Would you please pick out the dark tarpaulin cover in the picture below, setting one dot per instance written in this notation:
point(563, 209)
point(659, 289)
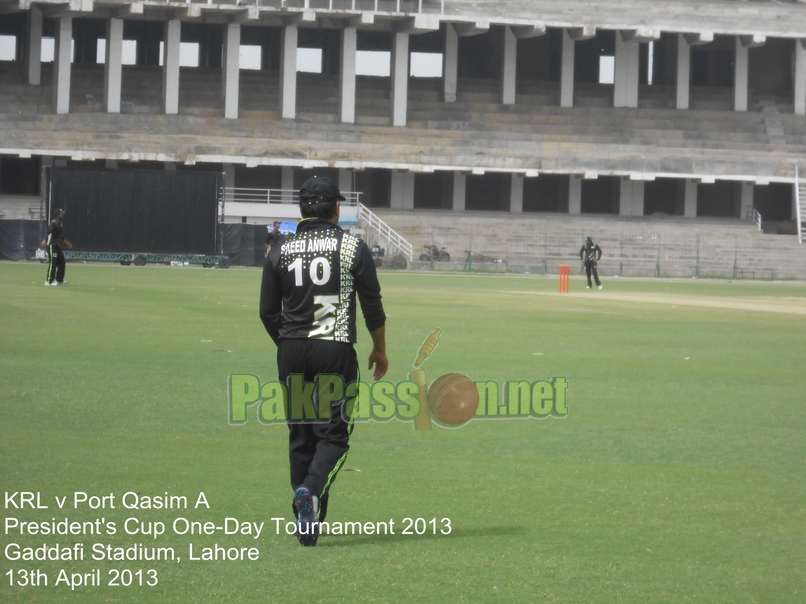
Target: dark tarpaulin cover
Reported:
point(243, 243)
point(154, 211)
point(19, 239)
point(230, 238)
point(12, 240)
point(260, 250)
point(35, 232)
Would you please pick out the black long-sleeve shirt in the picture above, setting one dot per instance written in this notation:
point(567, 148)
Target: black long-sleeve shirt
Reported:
point(310, 284)
point(273, 238)
point(590, 253)
point(56, 232)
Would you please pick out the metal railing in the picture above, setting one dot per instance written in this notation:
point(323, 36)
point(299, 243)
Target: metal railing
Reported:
point(799, 199)
point(631, 250)
point(382, 234)
point(386, 235)
point(757, 219)
point(387, 6)
point(245, 195)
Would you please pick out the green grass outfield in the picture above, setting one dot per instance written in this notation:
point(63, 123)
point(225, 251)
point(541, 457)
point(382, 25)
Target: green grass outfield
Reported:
point(677, 476)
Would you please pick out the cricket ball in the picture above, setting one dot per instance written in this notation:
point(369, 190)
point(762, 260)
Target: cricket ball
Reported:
point(453, 398)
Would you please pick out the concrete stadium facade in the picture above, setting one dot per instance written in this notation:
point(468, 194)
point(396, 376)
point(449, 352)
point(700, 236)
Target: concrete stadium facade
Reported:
point(517, 122)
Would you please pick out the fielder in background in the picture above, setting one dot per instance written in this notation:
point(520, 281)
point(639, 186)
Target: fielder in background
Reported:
point(272, 237)
point(590, 254)
point(308, 306)
point(53, 244)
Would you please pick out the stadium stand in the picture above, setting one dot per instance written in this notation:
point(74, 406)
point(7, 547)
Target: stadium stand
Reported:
point(681, 122)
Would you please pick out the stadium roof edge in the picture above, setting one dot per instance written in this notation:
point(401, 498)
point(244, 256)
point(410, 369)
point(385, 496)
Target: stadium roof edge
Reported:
point(724, 17)
point(251, 162)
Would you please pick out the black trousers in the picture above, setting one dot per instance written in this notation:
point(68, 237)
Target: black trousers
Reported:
point(590, 267)
point(55, 264)
point(317, 449)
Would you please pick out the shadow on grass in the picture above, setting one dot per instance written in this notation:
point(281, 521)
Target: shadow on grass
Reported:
point(351, 540)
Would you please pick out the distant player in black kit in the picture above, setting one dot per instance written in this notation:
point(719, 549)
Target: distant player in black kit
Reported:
point(590, 254)
point(307, 304)
point(53, 244)
point(273, 237)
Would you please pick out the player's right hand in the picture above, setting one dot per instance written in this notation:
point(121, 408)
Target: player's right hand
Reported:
point(381, 363)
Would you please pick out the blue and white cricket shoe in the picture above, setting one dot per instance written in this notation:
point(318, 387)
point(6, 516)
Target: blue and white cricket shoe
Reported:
point(307, 508)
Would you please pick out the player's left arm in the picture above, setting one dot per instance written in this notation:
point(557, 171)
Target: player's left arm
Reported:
point(377, 358)
point(369, 296)
point(68, 244)
point(598, 253)
point(368, 288)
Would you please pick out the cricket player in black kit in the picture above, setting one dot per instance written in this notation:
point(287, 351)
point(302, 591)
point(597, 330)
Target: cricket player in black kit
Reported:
point(590, 255)
point(53, 243)
point(307, 304)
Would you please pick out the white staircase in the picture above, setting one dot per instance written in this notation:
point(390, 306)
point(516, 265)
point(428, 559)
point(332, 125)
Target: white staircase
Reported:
point(384, 235)
point(277, 203)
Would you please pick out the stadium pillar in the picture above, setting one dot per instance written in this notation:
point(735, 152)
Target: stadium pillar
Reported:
point(625, 185)
point(62, 64)
point(625, 88)
point(516, 193)
point(170, 67)
point(631, 198)
point(740, 79)
point(33, 56)
point(450, 71)
point(800, 77)
point(400, 78)
point(402, 190)
point(287, 178)
point(345, 180)
point(231, 70)
point(288, 73)
point(349, 47)
point(574, 194)
point(638, 197)
point(683, 72)
point(508, 67)
point(747, 199)
point(690, 200)
point(459, 191)
point(567, 75)
point(408, 190)
point(113, 65)
point(229, 175)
